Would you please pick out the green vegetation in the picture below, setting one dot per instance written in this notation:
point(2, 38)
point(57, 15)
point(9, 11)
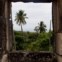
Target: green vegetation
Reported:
point(32, 41)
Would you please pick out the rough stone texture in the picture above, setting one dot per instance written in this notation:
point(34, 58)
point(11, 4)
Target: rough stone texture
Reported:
point(10, 33)
point(57, 24)
point(6, 34)
point(30, 57)
point(59, 46)
point(57, 15)
point(2, 33)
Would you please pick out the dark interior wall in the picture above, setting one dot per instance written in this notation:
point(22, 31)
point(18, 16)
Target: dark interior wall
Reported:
point(1, 8)
point(32, 0)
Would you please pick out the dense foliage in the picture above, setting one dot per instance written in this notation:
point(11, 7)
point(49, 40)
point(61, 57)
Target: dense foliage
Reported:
point(33, 41)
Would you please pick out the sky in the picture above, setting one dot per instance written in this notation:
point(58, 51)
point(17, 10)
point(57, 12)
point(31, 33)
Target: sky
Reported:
point(36, 12)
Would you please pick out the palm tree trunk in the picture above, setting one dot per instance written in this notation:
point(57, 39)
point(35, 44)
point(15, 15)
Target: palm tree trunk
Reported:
point(21, 28)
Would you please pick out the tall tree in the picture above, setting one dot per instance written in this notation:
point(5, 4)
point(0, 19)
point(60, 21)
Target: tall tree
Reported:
point(42, 27)
point(20, 18)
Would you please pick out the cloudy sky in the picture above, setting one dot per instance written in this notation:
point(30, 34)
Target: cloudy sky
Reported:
point(36, 12)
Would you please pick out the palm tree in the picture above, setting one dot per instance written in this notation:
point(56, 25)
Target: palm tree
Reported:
point(20, 18)
point(42, 27)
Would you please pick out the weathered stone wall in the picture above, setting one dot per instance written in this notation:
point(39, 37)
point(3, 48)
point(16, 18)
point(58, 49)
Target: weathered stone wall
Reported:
point(2, 35)
point(30, 57)
point(6, 30)
point(11, 35)
point(57, 24)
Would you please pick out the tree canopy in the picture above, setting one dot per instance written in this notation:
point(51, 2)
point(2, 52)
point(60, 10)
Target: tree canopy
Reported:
point(20, 18)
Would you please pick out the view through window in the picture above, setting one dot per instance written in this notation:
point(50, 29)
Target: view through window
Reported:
point(32, 24)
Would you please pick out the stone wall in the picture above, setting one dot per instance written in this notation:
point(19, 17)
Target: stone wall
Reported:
point(30, 57)
point(2, 34)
